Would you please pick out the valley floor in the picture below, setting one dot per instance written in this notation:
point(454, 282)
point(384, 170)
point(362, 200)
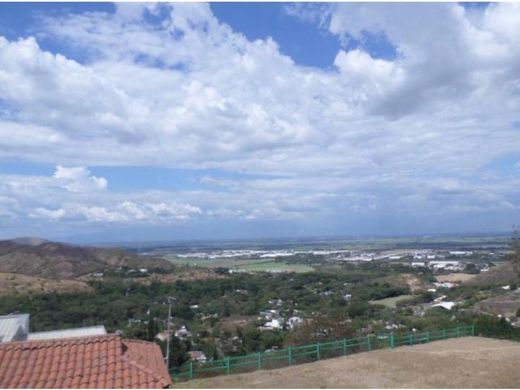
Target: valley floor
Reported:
point(469, 362)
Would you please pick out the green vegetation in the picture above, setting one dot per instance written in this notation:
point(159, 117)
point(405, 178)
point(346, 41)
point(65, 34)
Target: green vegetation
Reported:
point(239, 264)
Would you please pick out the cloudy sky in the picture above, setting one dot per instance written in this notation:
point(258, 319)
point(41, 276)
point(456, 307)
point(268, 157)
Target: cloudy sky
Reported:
point(175, 121)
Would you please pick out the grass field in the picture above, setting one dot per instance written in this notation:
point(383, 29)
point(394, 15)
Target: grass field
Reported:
point(248, 265)
point(469, 362)
point(391, 302)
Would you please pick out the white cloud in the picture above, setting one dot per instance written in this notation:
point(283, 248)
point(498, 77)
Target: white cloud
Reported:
point(78, 179)
point(42, 212)
point(366, 134)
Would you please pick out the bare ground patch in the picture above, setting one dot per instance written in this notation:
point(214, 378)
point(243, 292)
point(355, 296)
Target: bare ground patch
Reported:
point(469, 362)
point(455, 277)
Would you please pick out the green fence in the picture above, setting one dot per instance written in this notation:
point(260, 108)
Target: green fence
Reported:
point(312, 352)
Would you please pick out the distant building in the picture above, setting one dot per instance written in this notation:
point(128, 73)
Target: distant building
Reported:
point(273, 324)
point(198, 356)
point(444, 305)
point(294, 321)
point(182, 333)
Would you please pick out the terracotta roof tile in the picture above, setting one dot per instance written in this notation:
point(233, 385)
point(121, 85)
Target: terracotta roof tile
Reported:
point(83, 362)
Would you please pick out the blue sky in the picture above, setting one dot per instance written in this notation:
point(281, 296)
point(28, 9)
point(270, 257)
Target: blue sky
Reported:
point(224, 120)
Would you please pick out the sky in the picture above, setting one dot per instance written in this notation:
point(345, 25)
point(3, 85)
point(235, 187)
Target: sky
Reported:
point(129, 121)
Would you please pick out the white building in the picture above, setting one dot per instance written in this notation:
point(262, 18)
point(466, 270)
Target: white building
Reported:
point(182, 332)
point(15, 327)
point(294, 322)
point(445, 305)
point(273, 324)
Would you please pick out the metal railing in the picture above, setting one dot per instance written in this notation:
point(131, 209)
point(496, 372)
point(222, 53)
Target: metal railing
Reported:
point(312, 352)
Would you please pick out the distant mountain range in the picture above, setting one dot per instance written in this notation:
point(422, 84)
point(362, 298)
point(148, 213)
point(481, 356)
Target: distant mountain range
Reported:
point(36, 257)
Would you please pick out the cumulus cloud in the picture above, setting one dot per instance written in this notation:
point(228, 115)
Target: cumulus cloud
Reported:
point(171, 86)
point(78, 179)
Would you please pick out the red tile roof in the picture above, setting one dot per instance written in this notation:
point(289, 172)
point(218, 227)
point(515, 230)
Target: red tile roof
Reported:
point(82, 362)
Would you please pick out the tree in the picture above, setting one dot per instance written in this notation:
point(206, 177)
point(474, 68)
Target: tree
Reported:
point(321, 328)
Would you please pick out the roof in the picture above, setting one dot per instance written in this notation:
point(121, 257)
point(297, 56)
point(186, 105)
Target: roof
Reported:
point(13, 327)
point(445, 305)
point(82, 362)
point(66, 333)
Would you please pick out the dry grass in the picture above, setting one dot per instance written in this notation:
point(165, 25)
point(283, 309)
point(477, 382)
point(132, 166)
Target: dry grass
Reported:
point(469, 362)
point(455, 277)
point(411, 281)
point(12, 284)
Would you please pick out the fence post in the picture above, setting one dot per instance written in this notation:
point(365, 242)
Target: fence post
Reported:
point(228, 365)
point(318, 350)
point(458, 331)
point(473, 329)
point(369, 344)
point(259, 361)
point(392, 341)
point(428, 336)
point(444, 334)
point(191, 369)
point(289, 356)
point(344, 346)
point(410, 339)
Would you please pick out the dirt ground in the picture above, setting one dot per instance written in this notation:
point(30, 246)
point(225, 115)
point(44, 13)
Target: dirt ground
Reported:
point(455, 277)
point(469, 362)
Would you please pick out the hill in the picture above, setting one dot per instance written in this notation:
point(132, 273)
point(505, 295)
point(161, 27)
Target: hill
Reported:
point(16, 284)
point(469, 362)
point(29, 240)
point(54, 260)
point(497, 276)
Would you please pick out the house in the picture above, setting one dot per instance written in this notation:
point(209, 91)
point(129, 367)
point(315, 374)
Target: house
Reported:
point(444, 305)
point(198, 356)
point(446, 265)
point(67, 333)
point(15, 327)
point(439, 299)
point(347, 297)
point(417, 264)
point(294, 322)
point(105, 361)
point(444, 284)
point(273, 324)
point(182, 333)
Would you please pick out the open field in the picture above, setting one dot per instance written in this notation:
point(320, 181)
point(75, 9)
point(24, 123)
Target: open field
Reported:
point(469, 362)
point(391, 302)
point(455, 277)
point(249, 265)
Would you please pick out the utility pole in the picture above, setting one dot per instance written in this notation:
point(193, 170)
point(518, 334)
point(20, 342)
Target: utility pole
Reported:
point(170, 303)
